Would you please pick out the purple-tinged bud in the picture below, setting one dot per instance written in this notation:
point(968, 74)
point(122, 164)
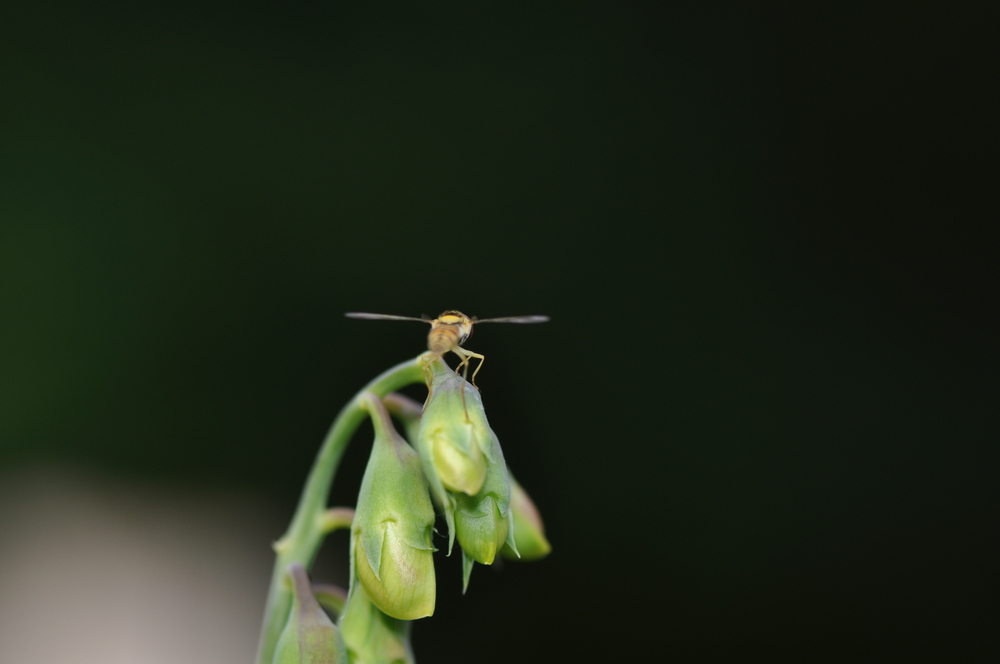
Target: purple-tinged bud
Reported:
point(309, 637)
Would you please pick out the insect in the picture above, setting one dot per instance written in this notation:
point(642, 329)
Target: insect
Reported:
point(449, 331)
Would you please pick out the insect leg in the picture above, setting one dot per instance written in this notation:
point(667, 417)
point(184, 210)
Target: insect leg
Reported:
point(479, 366)
point(429, 359)
point(467, 356)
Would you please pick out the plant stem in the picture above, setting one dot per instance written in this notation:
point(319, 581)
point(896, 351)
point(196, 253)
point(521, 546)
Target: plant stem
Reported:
point(305, 534)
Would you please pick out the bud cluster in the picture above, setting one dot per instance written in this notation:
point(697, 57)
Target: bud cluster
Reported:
point(456, 463)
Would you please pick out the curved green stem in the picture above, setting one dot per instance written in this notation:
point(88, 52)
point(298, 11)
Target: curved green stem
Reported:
point(305, 534)
point(337, 518)
point(407, 411)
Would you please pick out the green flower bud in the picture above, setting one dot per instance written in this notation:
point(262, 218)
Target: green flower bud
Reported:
point(454, 437)
point(392, 554)
point(465, 467)
point(371, 636)
point(455, 441)
point(309, 637)
point(482, 522)
point(529, 532)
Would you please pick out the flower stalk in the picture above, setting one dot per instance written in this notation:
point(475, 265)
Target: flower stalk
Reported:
point(305, 534)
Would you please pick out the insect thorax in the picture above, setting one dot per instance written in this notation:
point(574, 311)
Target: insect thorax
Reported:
point(448, 330)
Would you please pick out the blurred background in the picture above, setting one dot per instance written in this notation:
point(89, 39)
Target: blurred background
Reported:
point(760, 425)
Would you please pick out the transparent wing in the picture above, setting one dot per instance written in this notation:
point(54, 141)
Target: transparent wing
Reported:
point(515, 319)
point(355, 314)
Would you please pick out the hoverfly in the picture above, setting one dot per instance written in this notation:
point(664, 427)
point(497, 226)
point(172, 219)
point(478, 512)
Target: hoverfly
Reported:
point(449, 331)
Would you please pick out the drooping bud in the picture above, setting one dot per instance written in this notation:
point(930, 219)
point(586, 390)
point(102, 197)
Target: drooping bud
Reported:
point(482, 521)
point(391, 548)
point(309, 637)
point(371, 636)
point(454, 441)
point(529, 532)
point(454, 436)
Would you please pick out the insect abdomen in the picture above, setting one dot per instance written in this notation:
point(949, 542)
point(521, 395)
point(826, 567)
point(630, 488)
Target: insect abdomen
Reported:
point(442, 339)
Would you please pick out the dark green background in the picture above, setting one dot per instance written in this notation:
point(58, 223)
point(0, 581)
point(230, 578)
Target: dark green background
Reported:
point(761, 422)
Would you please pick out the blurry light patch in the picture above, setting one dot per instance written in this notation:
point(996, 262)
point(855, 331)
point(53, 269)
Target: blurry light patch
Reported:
point(97, 570)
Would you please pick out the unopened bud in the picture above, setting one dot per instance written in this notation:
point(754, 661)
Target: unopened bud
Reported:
point(482, 521)
point(454, 437)
point(371, 636)
point(391, 537)
point(309, 637)
point(529, 531)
